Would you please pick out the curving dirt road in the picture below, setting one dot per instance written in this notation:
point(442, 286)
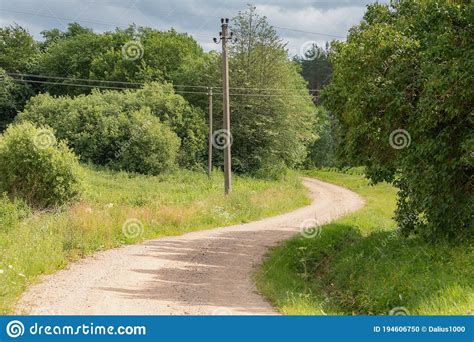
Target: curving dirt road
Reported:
point(199, 273)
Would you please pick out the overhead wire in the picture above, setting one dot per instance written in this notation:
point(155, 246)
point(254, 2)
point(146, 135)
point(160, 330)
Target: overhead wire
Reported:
point(142, 83)
point(151, 90)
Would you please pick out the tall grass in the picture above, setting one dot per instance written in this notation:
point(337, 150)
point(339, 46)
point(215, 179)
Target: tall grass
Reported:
point(165, 205)
point(361, 265)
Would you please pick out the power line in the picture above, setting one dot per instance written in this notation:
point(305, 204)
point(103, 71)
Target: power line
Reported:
point(95, 86)
point(309, 32)
point(150, 90)
point(56, 17)
point(94, 80)
point(142, 83)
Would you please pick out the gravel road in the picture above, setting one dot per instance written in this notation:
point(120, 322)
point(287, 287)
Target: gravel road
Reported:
point(199, 273)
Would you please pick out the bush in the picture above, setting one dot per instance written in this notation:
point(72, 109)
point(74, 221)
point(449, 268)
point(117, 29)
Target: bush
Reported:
point(271, 168)
point(11, 213)
point(36, 168)
point(150, 148)
point(97, 126)
point(402, 91)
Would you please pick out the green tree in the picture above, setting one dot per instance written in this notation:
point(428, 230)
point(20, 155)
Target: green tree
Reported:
point(316, 69)
point(18, 54)
point(13, 96)
point(54, 35)
point(134, 54)
point(18, 49)
point(271, 129)
point(322, 151)
point(403, 92)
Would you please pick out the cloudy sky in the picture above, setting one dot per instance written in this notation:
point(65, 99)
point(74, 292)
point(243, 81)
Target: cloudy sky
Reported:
point(297, 21)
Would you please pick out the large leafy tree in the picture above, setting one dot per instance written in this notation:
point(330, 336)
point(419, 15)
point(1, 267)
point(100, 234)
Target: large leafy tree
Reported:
point(18, 54)
point(13, 97)
point(321, 153)
point(403, 92)
point(18, 49)
point(135, 54)
point(272, 115)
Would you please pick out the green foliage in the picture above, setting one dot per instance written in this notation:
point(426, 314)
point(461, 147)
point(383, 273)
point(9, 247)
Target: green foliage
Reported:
point(105, 128)
point(316, 69)
point(151, 147)
point(12, 212)
point(54, 35)
point(410, 68)
point(152, 56)
point(18, 49)
point(265, 129)
point(322, 151)
point(13, 97)
point(271, 169)
point(36, 168)
point(361, 265)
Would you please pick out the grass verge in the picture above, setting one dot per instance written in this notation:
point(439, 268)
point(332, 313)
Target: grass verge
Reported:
point(121, 208)
point(360, 265)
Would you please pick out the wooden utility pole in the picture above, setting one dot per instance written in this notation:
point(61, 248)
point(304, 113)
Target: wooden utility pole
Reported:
point(225, 36)
point(209, 160)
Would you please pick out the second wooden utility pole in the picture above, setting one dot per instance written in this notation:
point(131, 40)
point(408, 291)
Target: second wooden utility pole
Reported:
point(209, 160)
point(225, 84)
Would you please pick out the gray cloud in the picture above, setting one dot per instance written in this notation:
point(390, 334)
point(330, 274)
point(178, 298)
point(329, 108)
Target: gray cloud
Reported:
point(200, 18)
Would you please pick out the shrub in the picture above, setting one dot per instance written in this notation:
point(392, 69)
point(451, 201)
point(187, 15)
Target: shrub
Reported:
point(151, 147)
point(402, 91)
point(37, 168)
point(11, 212)
point(271, 168)
point(97, 126)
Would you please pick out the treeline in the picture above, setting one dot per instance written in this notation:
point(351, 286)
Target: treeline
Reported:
point(275, 124)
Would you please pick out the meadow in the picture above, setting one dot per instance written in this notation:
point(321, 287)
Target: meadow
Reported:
point(120, 208)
